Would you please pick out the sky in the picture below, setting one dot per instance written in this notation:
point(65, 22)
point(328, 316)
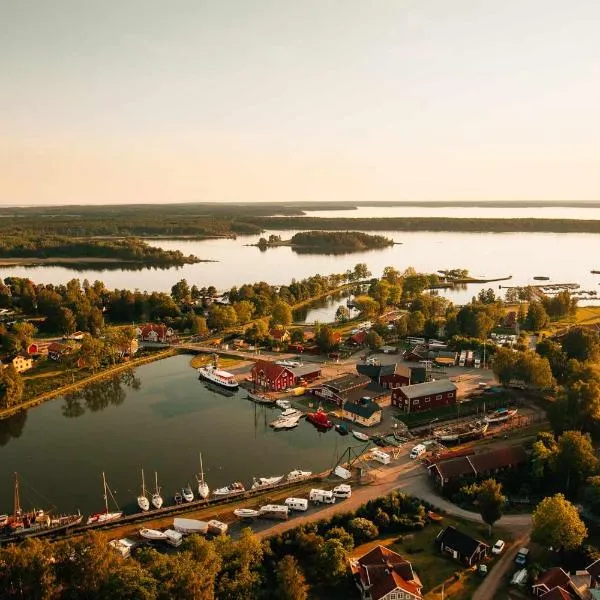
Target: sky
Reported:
point(127, 101)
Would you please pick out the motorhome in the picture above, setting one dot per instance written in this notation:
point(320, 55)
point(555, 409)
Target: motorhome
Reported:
point(380, 456)
point(321, 497)
point(463, 358)
point(342, 491)
point(297, 504)
point(417, 451)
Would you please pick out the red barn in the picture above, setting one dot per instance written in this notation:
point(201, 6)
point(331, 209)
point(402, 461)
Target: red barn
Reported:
point(424, 396)
point(268, 375)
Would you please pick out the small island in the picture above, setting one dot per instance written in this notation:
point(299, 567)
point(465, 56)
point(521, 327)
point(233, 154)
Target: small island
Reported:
point(328, 242)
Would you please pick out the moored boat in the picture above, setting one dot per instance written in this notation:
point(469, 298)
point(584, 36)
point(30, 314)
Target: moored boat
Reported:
point(154, 535)
point(342, 429)
point(363, 437)
point(319, 419)
point(142, 499)
point(218, 376)
point(203, 489)
point(157, 500)
point(500, 415)
point(234, 488)
point(178, 498)
point(261, 398)
point(262, 482)
point(283, 404)
point(246, 513)
point(298, 475)
point(286, 422)
point(187, 493)
point(104, 517)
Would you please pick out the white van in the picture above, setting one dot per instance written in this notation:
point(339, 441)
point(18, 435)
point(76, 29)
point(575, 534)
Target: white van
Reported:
point(417, 451)
point(296, 503)
point(321, 496)
point(380, 456)
point(342, 491)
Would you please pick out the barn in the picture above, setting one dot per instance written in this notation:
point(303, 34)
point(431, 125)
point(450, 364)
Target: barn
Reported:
point(424, 396)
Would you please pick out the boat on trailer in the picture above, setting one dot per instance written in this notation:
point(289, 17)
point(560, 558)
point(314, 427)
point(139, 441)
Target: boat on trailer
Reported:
point(154, 535)
point(461, 432)
point(500, 415)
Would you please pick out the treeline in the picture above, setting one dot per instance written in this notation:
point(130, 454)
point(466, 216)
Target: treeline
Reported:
point(309, 561)
point(130, 250)
point(338, 241)
point(430, 224)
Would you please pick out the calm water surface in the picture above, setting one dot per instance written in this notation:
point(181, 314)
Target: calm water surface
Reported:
point(159, 418)
point(564, 257)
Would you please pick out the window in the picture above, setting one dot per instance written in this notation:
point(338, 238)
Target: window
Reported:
point(438, 397)
point(427, 398)
point(450, 394)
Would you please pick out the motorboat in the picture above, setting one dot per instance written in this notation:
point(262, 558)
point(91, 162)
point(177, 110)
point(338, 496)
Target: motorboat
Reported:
point(157, 500)
point(217, 527)
point(106, 515)
point(142, 500)
point(283, 404)
point(189, 525)
point(291, 412)
point(286, 422)
point(319, 419)
point(235, 488)
point(342, 429)
point(178, 498)
point(218, 376)
point(262, 482)
point(203, 489)
point(500, 415)
point(154, 535)
point(260, 398)
point(246, 513)
point(187, 493)
point(298, 475)
point(363, 437)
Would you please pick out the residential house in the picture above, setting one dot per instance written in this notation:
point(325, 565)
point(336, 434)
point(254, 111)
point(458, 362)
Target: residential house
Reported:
point(557, 584)
point(280, 335)
point(393, 375)
point(22, 363)
point(461, 546)
point(594, 571)
point(129, 349)
point(357, 339)
point(382, 574)
point(424, 396)
point(57, 351)
point(350, 387)
point(364, 412)
point(152, 332)
point(36, 348)
point(477, 465)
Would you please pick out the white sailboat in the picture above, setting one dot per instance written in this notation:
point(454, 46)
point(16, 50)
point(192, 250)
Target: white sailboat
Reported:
point(103, 517)
point(187, 493)
point(203, 490)
point(142, 500)
point(157, 500)
point(262, 482)
point(152, 534)
point(298, 475)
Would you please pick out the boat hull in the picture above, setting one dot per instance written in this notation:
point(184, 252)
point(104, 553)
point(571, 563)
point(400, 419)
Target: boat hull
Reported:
point(207, 375)
point(41, 531)
point(154, 535)
point(105, 517)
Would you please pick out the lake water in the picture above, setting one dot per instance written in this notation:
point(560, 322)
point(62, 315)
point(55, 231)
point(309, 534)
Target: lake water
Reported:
point(564, 257)
point(157, 419)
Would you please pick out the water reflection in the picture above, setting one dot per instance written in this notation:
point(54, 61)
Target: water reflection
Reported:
point(99, 395)
point(12, 427)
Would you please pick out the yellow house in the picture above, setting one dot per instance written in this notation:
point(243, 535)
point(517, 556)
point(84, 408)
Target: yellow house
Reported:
point(364, 412)
point(21, 363)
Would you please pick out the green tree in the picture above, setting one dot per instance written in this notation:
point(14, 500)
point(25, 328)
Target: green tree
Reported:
point(380, 292)
point(333, 560)
point(556, 524)
point(339, 533)
point(361, 271)
point(297, 336)
point(537, 317)
point(374, 340)
point(325, 338)
point(222, 317)
point(574, 461)
point(66, 323)
point(291, 583)
point(244, 311)
point(490, 500)
point(95, 321)
point(11, 387)
point(591, 497)
point(581, 344)
point(362, 529)
point(181, 292)
point(92, 351)
point(281, 313)
point(505, 365)
point(342, 314)
point(367, 306)
point(199, 326)
point(415, 322)
point(23, 332)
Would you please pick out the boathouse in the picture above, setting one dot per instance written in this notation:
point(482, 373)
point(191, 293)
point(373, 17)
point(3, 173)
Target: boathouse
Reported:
point(424, 396)
point(271, 376)
point(351, 387)
point(364, 412)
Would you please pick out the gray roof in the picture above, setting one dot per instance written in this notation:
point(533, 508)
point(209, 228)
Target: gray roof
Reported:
point(427, 389)
point(305, 369)
point(347, 382)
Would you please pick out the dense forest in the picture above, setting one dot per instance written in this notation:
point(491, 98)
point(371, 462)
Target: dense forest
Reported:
point(337, 241)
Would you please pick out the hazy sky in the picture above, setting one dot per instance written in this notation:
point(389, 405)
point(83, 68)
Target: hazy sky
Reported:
point(189, 100)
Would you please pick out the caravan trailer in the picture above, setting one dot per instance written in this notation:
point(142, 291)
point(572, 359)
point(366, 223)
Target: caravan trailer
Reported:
point(342, 491)
point(380, 456)
point(297, 504)
point(463, 358)
point(469, 361)
point(321, 497)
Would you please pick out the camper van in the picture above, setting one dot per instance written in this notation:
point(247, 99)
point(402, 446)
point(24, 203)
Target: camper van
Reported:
point(321, 497)
point(297, 503)
point(342, 491)
point(417, 451)
point(463, 358)
point(380, 456)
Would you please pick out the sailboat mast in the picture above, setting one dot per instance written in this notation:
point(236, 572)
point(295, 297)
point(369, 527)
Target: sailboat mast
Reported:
point(105, 494)
point(16, 495)
point(201, 468)
point(143, 484)
point(156, 482)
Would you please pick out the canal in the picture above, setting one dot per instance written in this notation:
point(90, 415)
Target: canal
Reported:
point(158, 417)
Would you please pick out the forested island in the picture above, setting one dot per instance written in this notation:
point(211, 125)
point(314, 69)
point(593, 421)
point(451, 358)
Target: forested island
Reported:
point(31, 249)
point(327, 242)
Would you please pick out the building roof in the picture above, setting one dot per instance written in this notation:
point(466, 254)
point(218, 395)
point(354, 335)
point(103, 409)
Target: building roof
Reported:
point(376, 371)
point(498, 459)
point(594, 570)
point(553, 577)
point(58, 347)
point(278, 334)
point(418, 390)
point(365, 409)
point(454, 467)
point(464, 544)
point(160, 329)
point(358, 338)
point(557, 593)
point(347, 382)
point(270, 369)
point(303, 370)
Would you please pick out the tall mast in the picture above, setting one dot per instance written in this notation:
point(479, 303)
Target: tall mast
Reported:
point(156, 482)
point(143, 484)
point(201, 468)
point(105, 494)
point(16, 496)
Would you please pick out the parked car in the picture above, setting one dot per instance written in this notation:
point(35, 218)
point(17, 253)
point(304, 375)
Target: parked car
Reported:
point(521, 557)
point(498, 547)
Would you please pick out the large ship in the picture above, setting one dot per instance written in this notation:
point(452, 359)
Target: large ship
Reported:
point(35, 523)
point(500, 415)
point(461, 432)
point(218, 376)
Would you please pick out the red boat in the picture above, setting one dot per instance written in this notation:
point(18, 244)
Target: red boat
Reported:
point(319, 419)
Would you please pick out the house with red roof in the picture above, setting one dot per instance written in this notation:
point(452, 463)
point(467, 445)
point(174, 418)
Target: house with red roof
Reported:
point(557, 584)
point(280, 335)
point(151, 332)
point(382, 574)
point(56, 350)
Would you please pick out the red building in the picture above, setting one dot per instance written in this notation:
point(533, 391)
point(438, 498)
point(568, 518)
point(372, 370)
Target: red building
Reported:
point(424, 396)
point(268, 375)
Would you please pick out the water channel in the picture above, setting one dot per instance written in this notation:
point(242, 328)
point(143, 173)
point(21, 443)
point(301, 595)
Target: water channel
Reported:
point(157, 418)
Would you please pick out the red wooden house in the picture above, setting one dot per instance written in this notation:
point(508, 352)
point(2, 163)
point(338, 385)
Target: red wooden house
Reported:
point(268, 375)
point(424, 396)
